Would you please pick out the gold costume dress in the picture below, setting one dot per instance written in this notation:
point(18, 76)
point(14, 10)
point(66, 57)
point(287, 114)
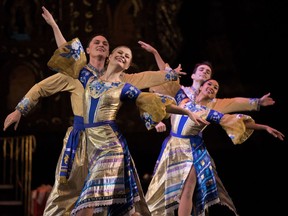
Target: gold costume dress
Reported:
point(71, 168)
point(181, 150)
point(112, 185)
point(225, 105)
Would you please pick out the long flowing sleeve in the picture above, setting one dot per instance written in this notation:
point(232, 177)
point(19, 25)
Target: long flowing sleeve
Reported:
point(147, 79)
point(237, 104)
point(152, 108)
point(234, 125)
point(69, 59)
point(168, 88)
point(47, 87)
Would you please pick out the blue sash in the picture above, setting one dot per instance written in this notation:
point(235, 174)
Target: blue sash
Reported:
point(70, 149)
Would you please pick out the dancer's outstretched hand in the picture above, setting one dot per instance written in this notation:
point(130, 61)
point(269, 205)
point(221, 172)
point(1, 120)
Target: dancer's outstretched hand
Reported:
point(266, 100)
point(12, 118)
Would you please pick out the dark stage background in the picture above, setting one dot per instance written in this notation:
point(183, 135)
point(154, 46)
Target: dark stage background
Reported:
point(246, 41)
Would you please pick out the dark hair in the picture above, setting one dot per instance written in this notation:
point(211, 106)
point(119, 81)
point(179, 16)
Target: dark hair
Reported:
point(203, 63)
point(206, 81)
point(95, 35)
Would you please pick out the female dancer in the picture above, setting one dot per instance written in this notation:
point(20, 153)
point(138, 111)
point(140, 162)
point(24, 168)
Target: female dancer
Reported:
point(183, 177)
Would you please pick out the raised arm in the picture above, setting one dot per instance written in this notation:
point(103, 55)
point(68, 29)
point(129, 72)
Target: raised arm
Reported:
point(151, 49)
point(160, 62)
point(60, 40)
